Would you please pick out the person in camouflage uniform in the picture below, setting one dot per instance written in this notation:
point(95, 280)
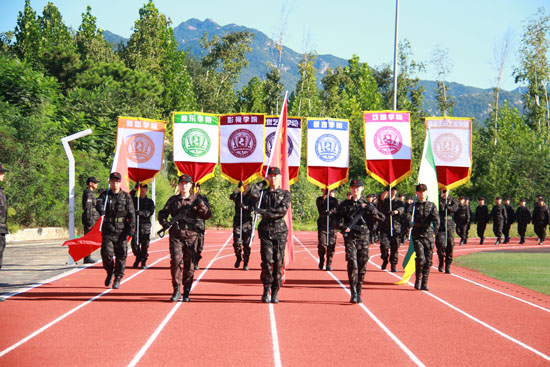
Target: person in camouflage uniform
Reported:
point(354, 214)
point(481, 218)
point(403, 219)
point(326, 218)
point(498, 215)
point(425, 222)
point(390, 240)
point(184, 209)
point(541, 218)
point(510, 219)
point(447, 209)
point(244, 206)
point(89, 213)
point(145, 208)
point(372, 223)
point(119, 224)
point(462, 218)
point(3, 214)
point(272, 231)
point(523, 218)
point(202, 228)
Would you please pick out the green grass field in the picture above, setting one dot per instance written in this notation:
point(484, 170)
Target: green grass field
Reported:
point(530, 270)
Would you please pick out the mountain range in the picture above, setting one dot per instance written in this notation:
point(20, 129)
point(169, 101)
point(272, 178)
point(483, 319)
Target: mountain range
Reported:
point(468, 101)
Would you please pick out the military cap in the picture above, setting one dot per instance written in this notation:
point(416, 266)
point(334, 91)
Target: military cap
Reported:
point(498, 198)
point(421, 187)
point(481, 198)
point(185, 178)
point(273, 171)
point(522, 200)
point(506, 198)
point(461, 198)
point(3, 168)
point(540, 197)
point(356, 182)
point(401, 195)
point(115, 175)
point(371, 196)
point(144, 185)
point(91, 179)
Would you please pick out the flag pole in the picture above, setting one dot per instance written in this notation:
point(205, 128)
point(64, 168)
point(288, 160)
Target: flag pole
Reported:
point(395, 55)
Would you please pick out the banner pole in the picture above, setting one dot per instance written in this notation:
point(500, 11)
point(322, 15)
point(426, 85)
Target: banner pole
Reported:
point(395, 55)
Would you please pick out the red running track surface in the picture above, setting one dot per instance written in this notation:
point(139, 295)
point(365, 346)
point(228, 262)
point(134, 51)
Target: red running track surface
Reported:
point(466, 319)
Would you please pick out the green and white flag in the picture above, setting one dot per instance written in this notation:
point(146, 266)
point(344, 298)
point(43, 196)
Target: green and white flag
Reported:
point(427, 173)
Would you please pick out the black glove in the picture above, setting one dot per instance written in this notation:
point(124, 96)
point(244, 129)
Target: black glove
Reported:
point(240, 184)
point(261, 211)
point(198, 201)
point(263, 183)
point(166, 225)
point(130, 233)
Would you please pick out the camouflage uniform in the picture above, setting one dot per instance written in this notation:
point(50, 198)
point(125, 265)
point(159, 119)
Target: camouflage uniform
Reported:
point(462, 218)
point(523, 217)
point(356, 241)
point(425, 215)
point(445, 250)
point(200, 234)
point(498, 215)
point(241, 242)
point(541, 218)
point(89, 213)
point(146, 209)
point(481, 218)
point(119, 223)
point(323, 247)
point(3, 222)
point(510, 218)
point(389, 244)
point(183, 236)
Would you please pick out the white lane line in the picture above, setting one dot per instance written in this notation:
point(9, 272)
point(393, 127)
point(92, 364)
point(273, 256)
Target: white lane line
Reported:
point(274, 337)
point(68, 313)
point(403, 347)
point(473, 318)
point(159, 329)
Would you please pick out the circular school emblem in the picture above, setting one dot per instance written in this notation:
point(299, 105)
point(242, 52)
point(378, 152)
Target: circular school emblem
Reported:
point(269, 144)
point(328, 148)
point(195, 142)
point(140, 148)
point(388, 140)
point(241, 143)
point(447, 147)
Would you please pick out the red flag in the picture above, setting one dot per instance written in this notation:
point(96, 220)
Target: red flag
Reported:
point(84, 246)
point(280, 160)
point(120, 164)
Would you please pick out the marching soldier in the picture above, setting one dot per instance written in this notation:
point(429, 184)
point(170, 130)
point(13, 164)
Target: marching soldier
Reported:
point(541, 218)
point(498, 215)
point(523, 217)
point(481, 218)
point(425, 222)
point(326, 218)
point(403, 220)
point(272, 231)
point(355, 214)
point(89, 213)
point(462, 218)
point(184, 209)
point(467, 202)
point(202, 228)
point(3, 214)
point(390, 242)
point(372, 223)
point(241, 240)
point(146, 210)
point(119, 224)
point(448, 206)
point(510, 218)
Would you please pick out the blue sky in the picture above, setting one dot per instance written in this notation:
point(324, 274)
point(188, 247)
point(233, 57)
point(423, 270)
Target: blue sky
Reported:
point(468, 29)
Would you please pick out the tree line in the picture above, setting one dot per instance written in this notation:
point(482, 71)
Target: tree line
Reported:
point(55, 81)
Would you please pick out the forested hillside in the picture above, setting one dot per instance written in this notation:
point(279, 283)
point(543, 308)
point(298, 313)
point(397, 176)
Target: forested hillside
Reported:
point(55, 81)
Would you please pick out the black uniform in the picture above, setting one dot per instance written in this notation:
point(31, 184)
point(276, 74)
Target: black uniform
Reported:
point(241, 241)
point(462, 218)
point(481, 218)
point(119, 223)
point(3, 222)
point(326, 218)
point(499, 217)
point(425, 217)
point(89, 213)
point(273, 234)
point(183, 239)
point(357, 240)
point(201, 225)
point(523, 217)
point(145, 208)
point(445, 249)
point(510, 218)
point(541, 218)
point(390, 242)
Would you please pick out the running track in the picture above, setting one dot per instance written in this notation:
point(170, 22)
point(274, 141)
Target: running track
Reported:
point(465, 320)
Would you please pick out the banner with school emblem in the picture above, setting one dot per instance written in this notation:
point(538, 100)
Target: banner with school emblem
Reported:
point(452, 146)
point(144, 142)
point(196, 144)
point(241, 146)
point(327, 152)
point(388, 146)
point(294, 125)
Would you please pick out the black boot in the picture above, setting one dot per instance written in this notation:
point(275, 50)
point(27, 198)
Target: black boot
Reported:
point(440, 267)
point(266, 295)
point(245, 264)
point(186, 292)
point(89, 260)
point(176, 295)
point(196, 264)
point(393, 268)
point(424, 285)
point(321, 262)
point(448, 269)
point(498, 241)
point(353, 298)
point(143, 266)
point(108, 279)
point(384, 264)
point(238, 261)
point(274, 298)
point(116, 283)
point(136, 263)
point(481, 240)
point(329, 265)
point(359, 300)
point(522, 240)
point(417, 282)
